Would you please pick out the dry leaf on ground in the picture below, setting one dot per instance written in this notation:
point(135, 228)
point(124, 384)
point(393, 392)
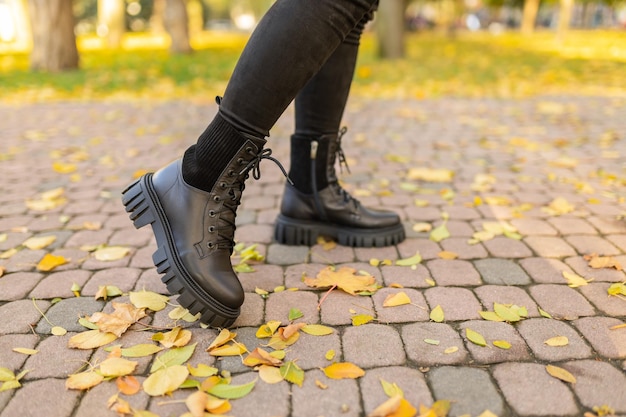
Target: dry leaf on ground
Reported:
point(345, 279)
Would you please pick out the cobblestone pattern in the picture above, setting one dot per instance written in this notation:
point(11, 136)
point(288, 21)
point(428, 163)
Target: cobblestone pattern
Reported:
point(510, 160)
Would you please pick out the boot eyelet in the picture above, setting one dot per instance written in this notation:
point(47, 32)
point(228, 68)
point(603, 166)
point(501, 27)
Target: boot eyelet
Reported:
point(231, 173)
point(240, 161)
point(210, 245)
point(223, 184)
point(249, 150)
point(211, 213)
point(211, 229)
point(216, 199)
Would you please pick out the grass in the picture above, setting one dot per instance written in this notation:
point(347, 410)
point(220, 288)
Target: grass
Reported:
point(473, 64)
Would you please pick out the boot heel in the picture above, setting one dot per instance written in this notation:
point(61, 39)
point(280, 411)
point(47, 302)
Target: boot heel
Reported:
point(290, 234)
point(135, 203)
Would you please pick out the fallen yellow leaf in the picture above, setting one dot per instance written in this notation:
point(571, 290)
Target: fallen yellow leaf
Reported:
point(397, 299)
point(83, 380)
point(557, 341)
point(49, 262)
point(561, 374)
point(341, 370)
point(437, 314)
point(345, 279)
point(574, 280)
point(41, 242)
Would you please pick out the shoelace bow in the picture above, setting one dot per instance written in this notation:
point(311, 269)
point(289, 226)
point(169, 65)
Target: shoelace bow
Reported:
point(341, 157)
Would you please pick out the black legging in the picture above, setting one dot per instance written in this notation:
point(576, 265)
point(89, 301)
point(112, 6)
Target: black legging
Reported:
point(306, 48)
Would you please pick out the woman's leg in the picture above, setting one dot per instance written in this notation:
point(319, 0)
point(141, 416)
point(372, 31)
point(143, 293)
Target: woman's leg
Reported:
point(191, 204)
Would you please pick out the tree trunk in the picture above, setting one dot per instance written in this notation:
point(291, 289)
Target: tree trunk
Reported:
point(112, 21)
point(390, 29)
point(54, 41)
point(156, 20)
point(529, 16)
point(176, 23)
point(565, 15)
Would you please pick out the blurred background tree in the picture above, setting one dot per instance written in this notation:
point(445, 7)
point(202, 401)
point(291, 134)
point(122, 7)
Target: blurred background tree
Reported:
point(51, 26)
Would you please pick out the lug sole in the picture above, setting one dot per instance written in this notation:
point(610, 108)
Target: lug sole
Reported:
point(141, 202)
point(290, 231)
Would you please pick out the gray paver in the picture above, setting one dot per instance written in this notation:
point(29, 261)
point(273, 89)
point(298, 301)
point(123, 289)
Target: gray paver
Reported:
point(94, 402)
point(428, 354)
point(503, 247)
point(339, 307)
point(598, 383)
point(341, 397)
point(453, 272)
point(55, 360)
point(286, 255)
point(406, 276)
point(581, 267)
point(549, 247)
point(495, 331)
point(597, 330)
point(585, 244)
point(26, 312)
point(470, 390)
point(17, 285)
point(384, 346)
point(490, 294)
point(28, 400)
point(561, 301)
point(266, 277)
point(501, 272)
point(537, 331)
point(11, 359)
point(530, 390)
point(123, 278)
point(410, 381)
point(457, 303)
point(545, 270)
point(66, 313)
point(278, 305)
point(256, 403)
point(597, 293)
point(417, 310)
point(59, 284)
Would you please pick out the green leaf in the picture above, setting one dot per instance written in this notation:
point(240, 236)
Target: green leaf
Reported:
point(475, 337)
point(439, 233)
point(506, 313)
point(141, 350)
point(437, 315)
point(544, 313)
point(174, 356)
point(231, 392)
point(317, 330)
point(490, 315)
point(391, 390)
point(294, 314)
point(413, 260)
point(360, 319)
point(86, 323)
point(292, 373)
point(432, 341)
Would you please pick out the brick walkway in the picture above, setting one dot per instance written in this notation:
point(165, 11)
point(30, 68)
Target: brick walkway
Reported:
point(514, 157)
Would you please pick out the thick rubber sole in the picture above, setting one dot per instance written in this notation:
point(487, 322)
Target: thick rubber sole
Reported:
point(141, 201)
point(290, 231)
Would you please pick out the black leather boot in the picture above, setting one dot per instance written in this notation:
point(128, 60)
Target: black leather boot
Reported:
point(194, 230)
point(325, 208)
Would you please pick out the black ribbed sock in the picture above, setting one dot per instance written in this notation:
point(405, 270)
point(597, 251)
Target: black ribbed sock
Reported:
point(217, 145)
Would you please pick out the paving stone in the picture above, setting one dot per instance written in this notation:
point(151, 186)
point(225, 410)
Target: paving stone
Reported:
point(530, 390)
point(493, 331)
point(410, 381)
point(11, 359)
point(94, 402)
point(453, 272)
point(141, 259)
point(581, 267)
point(607, 225)
point(55, 360)
point(278, 304)
point(426, 247)
point(549, 247)
point(470, 390)
point(66, 313)
point(123, 278)
point(545, 271)
point(28, 400)
point(490, 294)
point(609, 305)
point(504, 247)
point(384, 346)
point(309, 351)
point(533, 227)
point(23, 261)
point(569, 226)
point(416, 311)
point(170, 406)
point(25, 313)
point(586, 244)
point(150, 280)
point(256, 233)
point(340, 398)
point(463, 249)
point(128, 237)
point(88, 238)
point(501, 272)
point(338, 306)
point(366, 254)
point(59, 284)
point(251, 311)
point(266, 277)
point(265, 400)
point(597, 331)
point(457, 303)
point(459, 228)
point(561, 301)
point(17, 285)
point(618, 240)
point(537, 331)
point(413, 277)
point(286, 255)
point(426, 354)
point(295, 273)
point(598, 383)
point(338, 254)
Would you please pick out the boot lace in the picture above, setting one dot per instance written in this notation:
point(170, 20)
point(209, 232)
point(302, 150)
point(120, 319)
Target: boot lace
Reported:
point(341, 157)
point(226, 227)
